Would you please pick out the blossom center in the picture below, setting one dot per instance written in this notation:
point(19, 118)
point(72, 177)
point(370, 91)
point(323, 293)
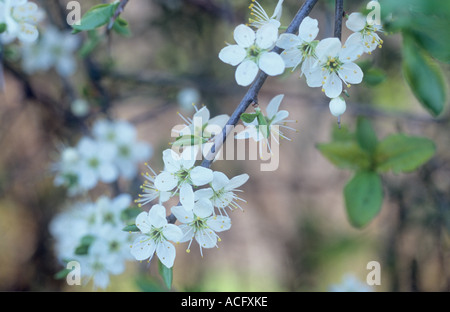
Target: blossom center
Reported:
point(253, 52)
point(333, 64)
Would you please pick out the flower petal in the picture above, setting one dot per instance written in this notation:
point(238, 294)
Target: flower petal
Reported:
point(204, 193)
point(187, 196)
point(182, 214)
point(351, 73)
point(171, 161)
point(143, 248)
point(356, 22)
point(266, 36)
point(203, 208)
point(157, 216)
point(166, 253)
point(333, 86)
point(308, 29)
point(352, 49)
point(201, 175)
point(206, 238)
point(287, 41)
point(219, 223)
point(314, 76)
point(328, 47)
point(143, 223)
point(244, 36)
point(274, 105)
point(232, 54)
point(237, 181)
point(172, 232)
point(166, 181)
point(246, 73)
point(292, 57)
point(271, 63)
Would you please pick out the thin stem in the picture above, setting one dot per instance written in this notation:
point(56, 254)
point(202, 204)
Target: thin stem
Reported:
point(252, 93)
point(119, 10)
point(338, 16)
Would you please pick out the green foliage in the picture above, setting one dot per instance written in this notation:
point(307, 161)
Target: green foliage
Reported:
point(166, 274)
point(401, 153)
point(424, 26)
point(248, 118)
point(96, 16)
point(85, 243)
point(363, 197)
point(368, 157)
point(131, 228)
point(3, 27)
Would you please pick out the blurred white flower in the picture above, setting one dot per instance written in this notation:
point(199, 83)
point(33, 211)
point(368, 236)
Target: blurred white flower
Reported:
point(252, 52)
point(20, 18)
point(350, 283)
point(54, 49)
point(187, 98)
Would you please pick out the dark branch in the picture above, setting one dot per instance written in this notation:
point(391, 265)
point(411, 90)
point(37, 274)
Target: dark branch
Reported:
point(338, 16)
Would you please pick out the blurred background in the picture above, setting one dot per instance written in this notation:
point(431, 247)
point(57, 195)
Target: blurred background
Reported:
point(293, 234)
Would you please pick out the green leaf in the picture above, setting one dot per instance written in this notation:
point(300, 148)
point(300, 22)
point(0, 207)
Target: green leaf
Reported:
point(345, 154)
point(189, 140)
point(130, 213)
point(131, 228)
point(248, 118)
point(366, 136)
point(363, 198)
point(3, 27)
point(85, 243)
point(62, 274)
point(166, 274)
point(401, 153)
point(423, 77)
point(120, 26)
point(97, 16)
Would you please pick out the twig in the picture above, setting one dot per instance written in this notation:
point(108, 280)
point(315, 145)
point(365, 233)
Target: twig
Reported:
point(119, 10)
point(338, 15)
point(251, 94)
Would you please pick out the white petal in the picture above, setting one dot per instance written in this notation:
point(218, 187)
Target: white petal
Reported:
point(187, 196)
point(237, 181)
point(351, 73)
point(143, 223)
point(351, 50)
point(287, 41)
point(292, 57)
point(203, 208)
point(266, 36)
point(188, 233)
point(278, 10)
point(189, 156)
point(280, 116)
point(356, 22)
point(204, 193)
point(219, 223)
point(166, 181)
point(244, 36)
point(274, 105)
point(202, 114)
point(333, 86)
point(314, 76)
point(232, 54)
point(166, 253)
point(308, 65)
point(201, 175)
point(328, 47)
point(171, 160)
point(183, 215)
point(143, 248)
point(206, 238)
point(108, 172)
point(28, 33)
point(271, 63)
point(172, 232)
point(246, 73)
point(308, 29)
point(219, 181)
point(157, 216)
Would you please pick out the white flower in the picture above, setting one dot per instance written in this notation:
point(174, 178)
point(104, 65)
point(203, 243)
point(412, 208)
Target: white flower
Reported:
point(337, 106)
point(261, 18)
point(150, 192)
point(157, 232)
point(67, 170)
point(123, 137)
point(252, 52)
point(222, 191)
point(200, 129)
point(266, 127)
point(180, 173)
point(200, 224)
point(54, 49)
point(364, 33)
point(96, 163)
point(300, 48)
point(335, 62)
point(20, 18)
point(187, 97)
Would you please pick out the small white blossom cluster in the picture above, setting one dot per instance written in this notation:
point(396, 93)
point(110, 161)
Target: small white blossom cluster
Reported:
point(55, 49)
point(112, 152)
point(19, 18)
point(203, 196)
point(325, 63)
point(350, 283)
point(91, 234)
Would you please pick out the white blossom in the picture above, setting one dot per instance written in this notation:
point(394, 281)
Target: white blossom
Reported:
point(156, 233)
point(300, 49)
point(335, 63)
point(365, 33)
point(201, 224)
point(252, 52)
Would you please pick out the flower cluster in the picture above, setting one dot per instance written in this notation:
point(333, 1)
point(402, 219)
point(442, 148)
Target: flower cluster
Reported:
point(203, 195)
point(325, 63)
point(19, 18)
point(91, 233)
point(54, 49)
point(113, 152)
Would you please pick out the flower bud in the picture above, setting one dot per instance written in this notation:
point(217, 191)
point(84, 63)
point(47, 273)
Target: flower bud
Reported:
point(337, 106)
